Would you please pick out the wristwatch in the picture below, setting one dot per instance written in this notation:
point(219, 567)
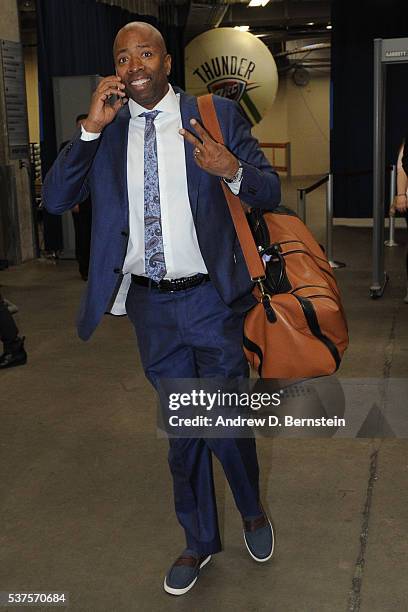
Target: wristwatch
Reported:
point(237, 176)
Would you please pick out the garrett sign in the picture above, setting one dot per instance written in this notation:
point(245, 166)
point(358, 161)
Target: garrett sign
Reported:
point(233, 64)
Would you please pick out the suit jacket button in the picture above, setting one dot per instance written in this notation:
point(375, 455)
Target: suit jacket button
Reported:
point(117, 270)
point(124, 233)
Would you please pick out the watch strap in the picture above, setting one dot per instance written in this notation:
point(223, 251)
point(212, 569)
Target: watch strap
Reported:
point(237, 176)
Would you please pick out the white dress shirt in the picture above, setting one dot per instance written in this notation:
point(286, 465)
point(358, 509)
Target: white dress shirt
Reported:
point(181, 251)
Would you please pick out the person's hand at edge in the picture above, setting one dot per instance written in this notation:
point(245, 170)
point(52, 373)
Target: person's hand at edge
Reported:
point(399, 204)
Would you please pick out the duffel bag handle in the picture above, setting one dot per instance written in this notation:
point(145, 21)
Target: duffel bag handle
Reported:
point(252, 259)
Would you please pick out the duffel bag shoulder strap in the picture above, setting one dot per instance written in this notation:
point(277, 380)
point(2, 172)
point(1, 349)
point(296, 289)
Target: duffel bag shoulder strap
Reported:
point(252, 259)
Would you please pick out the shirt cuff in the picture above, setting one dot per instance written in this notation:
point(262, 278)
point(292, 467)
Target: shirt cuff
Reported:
point(89, 135)
point(235, 186)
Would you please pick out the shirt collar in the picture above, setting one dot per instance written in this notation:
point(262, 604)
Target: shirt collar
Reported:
point(168, 104)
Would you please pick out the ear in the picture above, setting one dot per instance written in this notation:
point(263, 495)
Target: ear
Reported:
point(167, 63)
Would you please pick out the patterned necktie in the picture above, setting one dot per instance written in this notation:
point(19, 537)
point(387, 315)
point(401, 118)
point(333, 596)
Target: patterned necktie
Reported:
point(155, 265)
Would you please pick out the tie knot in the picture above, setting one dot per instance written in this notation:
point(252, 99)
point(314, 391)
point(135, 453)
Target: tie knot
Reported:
point(150, 116)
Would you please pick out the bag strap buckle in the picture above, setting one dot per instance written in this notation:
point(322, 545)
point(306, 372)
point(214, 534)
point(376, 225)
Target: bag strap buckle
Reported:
point(264, 293)
point(258, 279)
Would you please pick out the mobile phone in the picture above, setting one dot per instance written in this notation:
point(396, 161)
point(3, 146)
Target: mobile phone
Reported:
point(113, 97)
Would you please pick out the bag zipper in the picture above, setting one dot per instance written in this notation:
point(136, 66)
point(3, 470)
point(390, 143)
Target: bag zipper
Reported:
point(313, 257)
point(307, 287)
point(305, 253)
point(319, 295)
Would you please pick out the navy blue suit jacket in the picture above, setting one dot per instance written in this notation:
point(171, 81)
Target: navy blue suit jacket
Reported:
point(98, 168)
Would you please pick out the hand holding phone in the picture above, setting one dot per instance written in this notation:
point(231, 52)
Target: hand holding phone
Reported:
point(107, 99)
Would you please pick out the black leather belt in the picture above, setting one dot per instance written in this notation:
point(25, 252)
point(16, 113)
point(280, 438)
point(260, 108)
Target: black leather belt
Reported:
point(169, 285)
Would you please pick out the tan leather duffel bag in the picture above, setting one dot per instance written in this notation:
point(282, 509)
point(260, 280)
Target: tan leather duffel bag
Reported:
point(298, 327)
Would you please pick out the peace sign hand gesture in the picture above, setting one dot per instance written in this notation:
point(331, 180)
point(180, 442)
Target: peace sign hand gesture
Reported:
point(210, 155)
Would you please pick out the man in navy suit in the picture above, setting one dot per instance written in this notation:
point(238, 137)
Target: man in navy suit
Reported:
point(164, 251)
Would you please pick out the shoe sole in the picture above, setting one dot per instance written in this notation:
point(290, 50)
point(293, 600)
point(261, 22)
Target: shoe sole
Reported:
point(13, 365)
point(174, 591)
point(258, 559)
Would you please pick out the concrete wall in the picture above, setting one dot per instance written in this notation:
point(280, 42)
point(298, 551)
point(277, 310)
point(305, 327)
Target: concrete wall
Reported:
point(301, 115)
point(24, 248)
point(9, 24)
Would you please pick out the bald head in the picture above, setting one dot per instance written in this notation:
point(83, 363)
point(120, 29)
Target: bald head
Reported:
point(140, 27)
point(142, 63)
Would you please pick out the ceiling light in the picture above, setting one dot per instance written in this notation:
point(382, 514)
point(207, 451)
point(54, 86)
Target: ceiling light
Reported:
point(258, 3)
point(310, 23)
point(329, 27)
point(242, 28)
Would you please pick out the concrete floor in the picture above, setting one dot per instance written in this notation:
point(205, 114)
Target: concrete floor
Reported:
point(86, 498)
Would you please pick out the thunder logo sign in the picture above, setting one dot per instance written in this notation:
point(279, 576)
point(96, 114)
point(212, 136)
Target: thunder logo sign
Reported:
point(235, 65)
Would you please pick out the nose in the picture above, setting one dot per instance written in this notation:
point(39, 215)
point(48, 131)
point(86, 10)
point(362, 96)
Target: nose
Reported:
point(135, 63)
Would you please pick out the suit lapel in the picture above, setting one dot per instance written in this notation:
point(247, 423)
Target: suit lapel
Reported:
point(118, 144)
point(188, 110)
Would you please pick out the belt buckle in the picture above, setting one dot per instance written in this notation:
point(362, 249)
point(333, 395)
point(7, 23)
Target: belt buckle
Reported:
point(179, 284)
point(162, 286)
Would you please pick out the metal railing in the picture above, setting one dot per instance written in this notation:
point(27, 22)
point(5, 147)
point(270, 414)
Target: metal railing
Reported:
point(328, 179)
point(279, 145)
point(393, 190)
point(301, 211)
point(302, 193)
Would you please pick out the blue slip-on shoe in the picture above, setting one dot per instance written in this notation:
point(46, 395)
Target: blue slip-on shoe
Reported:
point(259, 538)
point(183, 574)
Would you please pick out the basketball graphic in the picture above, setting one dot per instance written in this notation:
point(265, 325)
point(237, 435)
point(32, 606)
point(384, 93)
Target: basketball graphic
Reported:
point(235, 65)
